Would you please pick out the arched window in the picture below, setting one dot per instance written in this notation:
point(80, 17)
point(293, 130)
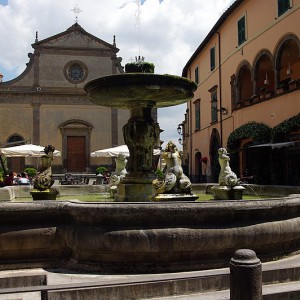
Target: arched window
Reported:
point(287, 61)
point(264, 72)
point(15, 140)
point(244, 83)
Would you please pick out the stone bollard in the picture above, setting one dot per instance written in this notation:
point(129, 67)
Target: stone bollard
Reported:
point(245, 276)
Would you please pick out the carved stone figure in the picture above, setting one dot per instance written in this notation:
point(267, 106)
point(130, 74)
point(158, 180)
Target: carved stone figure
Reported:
point(119, 173)
point(174, 181)
point(140, 138)
point(226, 176)
point(229, 187)
point(43, 179)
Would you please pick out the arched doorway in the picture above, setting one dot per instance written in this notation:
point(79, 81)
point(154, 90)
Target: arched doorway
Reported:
point(247, 161)
point(76, 145)
point(213, 151)
point(198, 167)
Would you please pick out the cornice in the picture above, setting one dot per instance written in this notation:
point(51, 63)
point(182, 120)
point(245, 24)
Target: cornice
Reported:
point(74, 28)
point(76, 51)
point(35, 99)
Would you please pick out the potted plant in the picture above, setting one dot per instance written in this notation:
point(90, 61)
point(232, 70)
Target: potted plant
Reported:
point(267, 93)
point(292, 84)
point(262, 93)
point(255, 98)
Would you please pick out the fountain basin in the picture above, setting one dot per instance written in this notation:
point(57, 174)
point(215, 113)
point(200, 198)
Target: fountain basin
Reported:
point(130, 89)
point(145, 237)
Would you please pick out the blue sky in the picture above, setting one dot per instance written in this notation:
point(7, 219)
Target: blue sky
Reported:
point(169, 32)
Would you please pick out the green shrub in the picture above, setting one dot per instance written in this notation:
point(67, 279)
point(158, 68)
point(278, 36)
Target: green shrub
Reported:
point(279, 132)
point(259, 132)
point(101, 170)
point(139, 67)
point(30, 171)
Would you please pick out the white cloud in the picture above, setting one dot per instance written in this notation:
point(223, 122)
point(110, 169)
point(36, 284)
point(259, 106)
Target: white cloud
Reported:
point(170, 31)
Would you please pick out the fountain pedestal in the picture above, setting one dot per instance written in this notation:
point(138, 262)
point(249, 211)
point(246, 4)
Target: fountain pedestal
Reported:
point(49, 194)
point(224, 192)
point(141, 135)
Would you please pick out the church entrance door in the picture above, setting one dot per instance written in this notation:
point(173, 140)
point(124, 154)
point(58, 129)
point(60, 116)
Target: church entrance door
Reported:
point(76, 154)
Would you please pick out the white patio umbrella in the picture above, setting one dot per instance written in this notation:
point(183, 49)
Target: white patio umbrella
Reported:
point(115, 151)
point(27, 150)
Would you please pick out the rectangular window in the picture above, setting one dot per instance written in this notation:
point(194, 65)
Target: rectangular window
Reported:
point(197, 115)
point(212, 58)
point(283, 6)
point(197, 75)
point(241, 30)
point(214, 106)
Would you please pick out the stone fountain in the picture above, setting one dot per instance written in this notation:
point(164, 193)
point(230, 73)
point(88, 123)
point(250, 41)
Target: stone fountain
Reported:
point(139, 92)
point(145, 237)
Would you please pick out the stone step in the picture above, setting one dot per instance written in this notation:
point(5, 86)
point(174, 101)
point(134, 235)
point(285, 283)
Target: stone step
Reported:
point(280, 291)
point(16, 279)
point(281, 278)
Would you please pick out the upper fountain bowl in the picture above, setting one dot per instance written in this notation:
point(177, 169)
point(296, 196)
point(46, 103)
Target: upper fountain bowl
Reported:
point(124, 90)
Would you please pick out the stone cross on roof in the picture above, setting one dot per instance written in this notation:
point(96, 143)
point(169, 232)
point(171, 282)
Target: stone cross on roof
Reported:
point(76, 11)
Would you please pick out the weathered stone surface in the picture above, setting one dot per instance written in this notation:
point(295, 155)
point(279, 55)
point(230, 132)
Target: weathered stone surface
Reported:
point(49, 194)
point(127, 90)
point(145, 237)
point(6, 194)
point(245, 276)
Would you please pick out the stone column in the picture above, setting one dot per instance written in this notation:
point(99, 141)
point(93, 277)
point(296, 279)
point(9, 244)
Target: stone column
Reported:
point(140, 137)
point(36, 106)
point(245, 276)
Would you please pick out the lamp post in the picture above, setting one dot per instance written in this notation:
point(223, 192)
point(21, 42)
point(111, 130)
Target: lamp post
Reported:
point(185, 153)
point(180, 130)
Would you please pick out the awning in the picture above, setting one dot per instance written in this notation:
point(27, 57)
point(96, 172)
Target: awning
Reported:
point(115, 151)
point(27, 150)
point(275, 145)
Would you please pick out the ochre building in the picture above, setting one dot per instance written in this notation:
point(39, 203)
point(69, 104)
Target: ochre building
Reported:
point(248, 97)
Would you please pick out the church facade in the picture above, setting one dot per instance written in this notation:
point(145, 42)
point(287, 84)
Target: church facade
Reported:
point(47, 103)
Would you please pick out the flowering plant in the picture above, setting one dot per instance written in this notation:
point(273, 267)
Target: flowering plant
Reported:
point(204, 159)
